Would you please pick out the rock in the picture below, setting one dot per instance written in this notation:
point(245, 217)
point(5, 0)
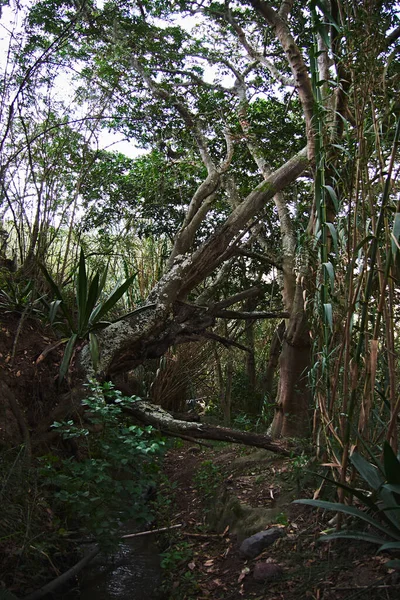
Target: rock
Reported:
point(252, 546)
point(265, 571)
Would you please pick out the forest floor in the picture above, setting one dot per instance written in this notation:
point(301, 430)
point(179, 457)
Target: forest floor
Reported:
point(218, 495)
point(208, 561)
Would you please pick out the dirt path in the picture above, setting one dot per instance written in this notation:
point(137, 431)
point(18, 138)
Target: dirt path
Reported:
point(223, 495)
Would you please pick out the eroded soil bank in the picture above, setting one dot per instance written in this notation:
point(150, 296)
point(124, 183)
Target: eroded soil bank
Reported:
point(224, 494)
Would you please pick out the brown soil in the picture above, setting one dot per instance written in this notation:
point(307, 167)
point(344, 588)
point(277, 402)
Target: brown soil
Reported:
point(29, 395)
point(341, 570)
point(213, 524)
point(31, 379)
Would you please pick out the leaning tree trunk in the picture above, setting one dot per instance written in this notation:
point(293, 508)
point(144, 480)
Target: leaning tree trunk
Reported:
point(167, 318)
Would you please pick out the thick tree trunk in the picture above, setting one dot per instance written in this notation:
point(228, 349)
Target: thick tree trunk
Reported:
point(292, 416)
point(150, 414)
point(274, 354)
point(167, 319)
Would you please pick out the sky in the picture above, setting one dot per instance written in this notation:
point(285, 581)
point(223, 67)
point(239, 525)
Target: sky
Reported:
point(11, 23)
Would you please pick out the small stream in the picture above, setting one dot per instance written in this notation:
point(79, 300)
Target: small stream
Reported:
point(133, 572)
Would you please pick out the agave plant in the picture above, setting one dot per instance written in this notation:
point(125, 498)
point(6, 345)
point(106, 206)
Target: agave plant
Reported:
point(89, 309)
point(381, 505)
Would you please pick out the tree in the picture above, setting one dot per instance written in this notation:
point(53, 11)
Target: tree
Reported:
point(232, 106)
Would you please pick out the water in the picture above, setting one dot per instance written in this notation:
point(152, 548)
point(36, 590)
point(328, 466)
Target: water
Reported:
point(132, 573)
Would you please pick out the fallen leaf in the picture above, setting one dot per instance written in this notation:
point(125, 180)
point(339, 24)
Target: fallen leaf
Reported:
point(18, 374)
point(209, 563)
point(192, 566)
point(243, 574)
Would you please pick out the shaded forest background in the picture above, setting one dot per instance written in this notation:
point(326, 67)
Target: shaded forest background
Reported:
point(243, 262)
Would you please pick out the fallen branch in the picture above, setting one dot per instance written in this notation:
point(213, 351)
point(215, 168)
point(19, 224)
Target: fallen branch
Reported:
point(201, 535)
point(134, 535)
point(150, 414)
point(187, 438)
point(53, 585)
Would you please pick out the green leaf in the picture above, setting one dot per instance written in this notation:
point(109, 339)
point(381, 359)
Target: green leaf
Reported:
point(354, 492)
point(92, 298)
point(348, 510)
point(54, 287)
point(333, 196)
point(368, 472)
point(324, 8)
point(364, 241)
point(328, 315)
point(54, 306)
point(328, 266)
point(69, 349)
point(334, 236)
point(112, 299)
point(103, 280)
point(94, 349)
point(353, 535)
point(392, 488)
point(393, 564)
point(57, 292)
point(390, 546)
point(391, 464)
point(391, 508)
point(396, 234)
point(81, 289)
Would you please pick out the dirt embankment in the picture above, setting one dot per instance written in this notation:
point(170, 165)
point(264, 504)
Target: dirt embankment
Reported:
point(225, 494)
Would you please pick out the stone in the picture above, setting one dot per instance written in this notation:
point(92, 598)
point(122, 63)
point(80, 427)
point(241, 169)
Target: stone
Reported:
point(253, 545)
point(267, 571)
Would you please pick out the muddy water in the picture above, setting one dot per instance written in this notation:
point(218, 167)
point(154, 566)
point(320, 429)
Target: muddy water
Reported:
point(133, 572)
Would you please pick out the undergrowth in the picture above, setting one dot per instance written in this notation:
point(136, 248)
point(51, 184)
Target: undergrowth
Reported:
point(55, 499)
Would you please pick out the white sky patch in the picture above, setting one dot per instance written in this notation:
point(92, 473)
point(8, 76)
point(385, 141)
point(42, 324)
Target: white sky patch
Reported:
point(115, 142)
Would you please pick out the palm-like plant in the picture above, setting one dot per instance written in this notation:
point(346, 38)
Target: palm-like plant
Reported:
point(89, 309)
point(382, 504)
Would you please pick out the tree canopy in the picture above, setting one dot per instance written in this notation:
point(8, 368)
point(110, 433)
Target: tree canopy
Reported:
point(265, 137)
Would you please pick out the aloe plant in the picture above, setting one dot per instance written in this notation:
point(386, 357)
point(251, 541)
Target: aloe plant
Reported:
point(381, 506)
point(89, 309)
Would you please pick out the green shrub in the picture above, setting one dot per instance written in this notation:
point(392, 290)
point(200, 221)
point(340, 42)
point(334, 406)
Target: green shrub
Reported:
point(207, 479)
point(108, 485)
point(89, 310)
point(381, 506)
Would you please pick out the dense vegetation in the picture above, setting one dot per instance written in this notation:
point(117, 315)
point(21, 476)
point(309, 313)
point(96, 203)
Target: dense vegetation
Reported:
point(242, 257)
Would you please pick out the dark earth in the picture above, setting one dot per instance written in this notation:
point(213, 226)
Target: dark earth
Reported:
point(218, 495)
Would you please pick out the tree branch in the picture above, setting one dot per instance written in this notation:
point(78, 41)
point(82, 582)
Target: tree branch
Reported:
point(252, 292)
point(254, 54)
point(297, 65)
point(261, 257)
point(159, 418)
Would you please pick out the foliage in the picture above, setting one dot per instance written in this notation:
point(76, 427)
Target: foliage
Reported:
point(108, 484)
point(28, 528)
point(19, 296)
point(213, 109)
point(381, 507)
point(90, 308)
point(207, 480)
point(178, 581)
